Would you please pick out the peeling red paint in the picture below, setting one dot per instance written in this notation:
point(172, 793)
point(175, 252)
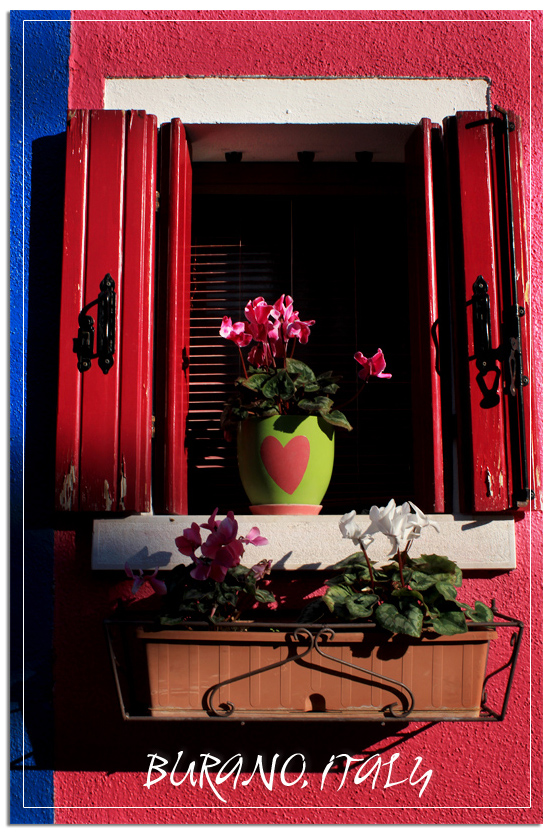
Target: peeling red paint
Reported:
point(481, 773)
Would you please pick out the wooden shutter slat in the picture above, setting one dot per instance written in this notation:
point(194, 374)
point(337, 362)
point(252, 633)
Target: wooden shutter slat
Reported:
point(137, 314)
point(484, 472)
point(173, 319)
point(100, 402)
point(72, 295)
point(423, 298)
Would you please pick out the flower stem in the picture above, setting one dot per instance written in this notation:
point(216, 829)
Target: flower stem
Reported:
point(243, 363)
point(400, 561)
point(293, 348)
point(352, 399)
point(368, 564)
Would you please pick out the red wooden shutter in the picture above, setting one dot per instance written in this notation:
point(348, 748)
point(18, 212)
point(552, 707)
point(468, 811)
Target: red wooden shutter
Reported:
point(487, 416)
point(104, 413)
point(173, 321)
point(423, 304)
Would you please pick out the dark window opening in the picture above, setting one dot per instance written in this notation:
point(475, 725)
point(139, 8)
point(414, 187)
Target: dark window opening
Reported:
point(333, 237)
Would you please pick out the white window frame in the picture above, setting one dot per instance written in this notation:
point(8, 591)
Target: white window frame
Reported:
point(247, 114)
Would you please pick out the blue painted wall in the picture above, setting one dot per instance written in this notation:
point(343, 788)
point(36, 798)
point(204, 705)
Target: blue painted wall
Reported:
point(39, 53)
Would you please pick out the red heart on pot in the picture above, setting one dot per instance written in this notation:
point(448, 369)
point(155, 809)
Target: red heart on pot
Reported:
point(286, 464)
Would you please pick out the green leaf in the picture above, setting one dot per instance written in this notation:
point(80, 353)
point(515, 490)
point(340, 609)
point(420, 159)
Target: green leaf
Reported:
point(266, 409)
point(355, 559)
point(480, 614)
point(315, 610)
point(439, 568)
point(457, 577)
point(255, 382)
point(237, 571)
point(262, 595)
point(337, 592)
point(420, 581)
point(294, 366)
point(335, 595)
point(328, 377)
point(343, 579)
point(435, 564)
point(279, 385)
point(407, 593)
point(390, 618)
point(170, 621)
point(317, 405)
point(336, 418)
point(449, 622)
point(360, 606)
point(329, 389)
point(447, 590)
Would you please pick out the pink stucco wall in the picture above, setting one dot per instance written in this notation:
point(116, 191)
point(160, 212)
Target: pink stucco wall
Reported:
point(481, 773)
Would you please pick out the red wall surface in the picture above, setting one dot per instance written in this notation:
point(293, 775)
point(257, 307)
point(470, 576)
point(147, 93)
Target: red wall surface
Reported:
point(481, 773)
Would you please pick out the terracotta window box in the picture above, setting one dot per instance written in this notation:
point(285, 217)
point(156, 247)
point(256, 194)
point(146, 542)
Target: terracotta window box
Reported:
point(318, 672)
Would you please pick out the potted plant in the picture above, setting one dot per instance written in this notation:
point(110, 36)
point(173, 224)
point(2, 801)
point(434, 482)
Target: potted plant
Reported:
point(282, 412)
point(384, 640)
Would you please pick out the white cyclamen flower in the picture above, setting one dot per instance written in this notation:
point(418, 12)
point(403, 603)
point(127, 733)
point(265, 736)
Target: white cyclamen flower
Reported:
point(350, 529)
point(419, 521)
point(399, 524)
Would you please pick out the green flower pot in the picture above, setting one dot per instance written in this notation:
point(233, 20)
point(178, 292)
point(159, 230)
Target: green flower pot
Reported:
point(285, 463)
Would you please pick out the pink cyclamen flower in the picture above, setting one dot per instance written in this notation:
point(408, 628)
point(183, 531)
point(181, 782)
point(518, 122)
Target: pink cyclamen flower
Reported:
point(300, 330)
point(222, 548)
point(258, 310)
point(284, 312)
point(372, 366)
point(223, 534)
point(292, 327)
point(190, 540)
point(140, 579)
point(211, 524)
point(260, 355)
point(226, 556)
point(237, 333)
point(254, 538)
point(262, 569)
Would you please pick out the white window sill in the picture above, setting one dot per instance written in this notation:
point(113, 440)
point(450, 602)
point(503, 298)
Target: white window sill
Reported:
point(148, 541)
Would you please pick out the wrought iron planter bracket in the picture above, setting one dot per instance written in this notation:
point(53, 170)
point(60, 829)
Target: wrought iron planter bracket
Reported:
point(516, 637)
point(316, 636)
point(314, 643)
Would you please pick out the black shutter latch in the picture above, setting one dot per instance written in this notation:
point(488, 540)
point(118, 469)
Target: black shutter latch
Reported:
point(83, 345)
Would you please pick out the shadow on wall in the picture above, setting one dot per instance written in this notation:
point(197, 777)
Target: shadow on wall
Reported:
point(31, 576)
point(44, 292)
point(119, 746)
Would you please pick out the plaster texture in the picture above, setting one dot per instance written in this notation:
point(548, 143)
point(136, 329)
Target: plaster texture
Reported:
point(481, 773)
point(475, 543)
point(297, 100)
